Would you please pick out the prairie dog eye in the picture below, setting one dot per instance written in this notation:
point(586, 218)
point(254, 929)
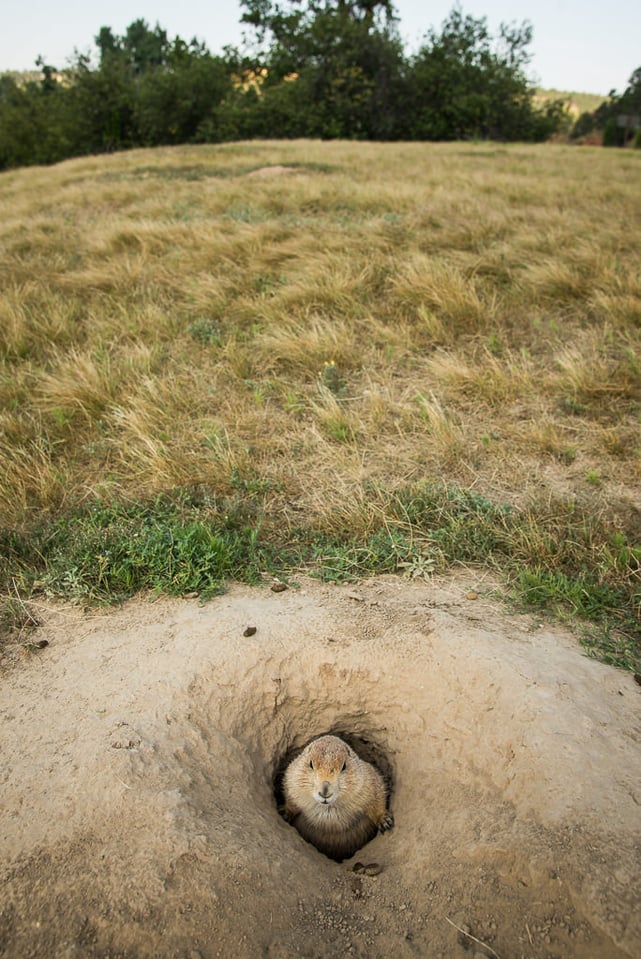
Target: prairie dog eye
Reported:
point(344, 766)
point(311, 764)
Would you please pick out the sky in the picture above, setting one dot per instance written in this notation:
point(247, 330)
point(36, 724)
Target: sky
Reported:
point(584, 46)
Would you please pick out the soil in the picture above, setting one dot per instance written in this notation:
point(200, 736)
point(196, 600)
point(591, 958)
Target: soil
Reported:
point(140, 747)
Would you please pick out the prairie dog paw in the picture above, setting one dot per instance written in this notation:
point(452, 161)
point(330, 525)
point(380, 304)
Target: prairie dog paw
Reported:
point(386, 823)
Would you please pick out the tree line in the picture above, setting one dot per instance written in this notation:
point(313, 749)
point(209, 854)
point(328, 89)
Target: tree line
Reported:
point(310, 68)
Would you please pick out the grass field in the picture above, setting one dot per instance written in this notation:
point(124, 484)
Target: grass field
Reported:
point(383, 357)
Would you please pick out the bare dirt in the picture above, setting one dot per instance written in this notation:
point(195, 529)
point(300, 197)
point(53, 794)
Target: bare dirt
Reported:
point(138, 754)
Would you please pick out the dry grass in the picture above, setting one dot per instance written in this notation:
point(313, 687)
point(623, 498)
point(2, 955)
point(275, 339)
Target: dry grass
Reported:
point(166, 321)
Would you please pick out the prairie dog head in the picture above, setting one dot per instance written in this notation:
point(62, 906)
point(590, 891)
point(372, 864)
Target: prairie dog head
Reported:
point(328, 760)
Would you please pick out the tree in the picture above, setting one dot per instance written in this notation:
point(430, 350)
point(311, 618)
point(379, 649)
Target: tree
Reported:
point(34, 123)
point(173, 102)
point(345, 56)
point(103, 101)
point(605, 119)
point(465, 83)
point(629, 106)
point(147, 90)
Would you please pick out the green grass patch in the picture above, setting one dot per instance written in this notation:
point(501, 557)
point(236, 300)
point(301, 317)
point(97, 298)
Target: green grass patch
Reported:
point(112, 551)
point(562, 562)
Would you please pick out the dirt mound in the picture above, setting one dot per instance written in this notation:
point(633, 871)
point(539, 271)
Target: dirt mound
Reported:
point(139, 752)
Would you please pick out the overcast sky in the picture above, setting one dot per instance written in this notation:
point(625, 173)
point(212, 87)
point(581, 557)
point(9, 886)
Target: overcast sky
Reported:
point(588, 46)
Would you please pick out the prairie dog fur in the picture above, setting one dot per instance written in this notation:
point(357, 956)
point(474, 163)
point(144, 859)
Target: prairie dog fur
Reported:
point(335, 799)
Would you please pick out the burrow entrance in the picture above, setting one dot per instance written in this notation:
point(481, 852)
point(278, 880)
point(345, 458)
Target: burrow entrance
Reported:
point(478, 794)
point(513, 764)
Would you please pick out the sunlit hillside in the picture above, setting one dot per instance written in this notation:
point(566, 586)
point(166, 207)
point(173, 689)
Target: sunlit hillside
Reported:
point(576, 103)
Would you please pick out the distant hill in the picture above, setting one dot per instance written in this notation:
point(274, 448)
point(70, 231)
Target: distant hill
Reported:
point(577, 103)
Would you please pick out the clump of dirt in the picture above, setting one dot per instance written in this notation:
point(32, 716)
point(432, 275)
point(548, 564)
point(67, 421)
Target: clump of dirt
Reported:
point(141, 749)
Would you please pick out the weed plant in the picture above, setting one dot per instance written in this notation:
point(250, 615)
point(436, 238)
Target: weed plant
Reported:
point(390, 357)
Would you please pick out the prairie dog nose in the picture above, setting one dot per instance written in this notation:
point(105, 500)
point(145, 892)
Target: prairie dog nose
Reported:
point(325, 789)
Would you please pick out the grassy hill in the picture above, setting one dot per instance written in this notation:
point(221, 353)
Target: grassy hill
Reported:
point(226, 361)
point(576, 103)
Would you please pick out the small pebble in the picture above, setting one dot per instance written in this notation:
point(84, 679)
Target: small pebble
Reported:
point(249, 631)
point(357, 887)
point(356, 597)
point(278, 587)
point(369, 869)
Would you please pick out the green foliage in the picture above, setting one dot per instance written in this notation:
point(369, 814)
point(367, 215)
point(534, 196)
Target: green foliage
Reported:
point(144, 91)
point(34, 126)
point(324, 69)
point(112, 550)
point(605, 119)
point(337, 560)
point(330, 378)
point(173, 103)
point(348, 62)
point(465, 83)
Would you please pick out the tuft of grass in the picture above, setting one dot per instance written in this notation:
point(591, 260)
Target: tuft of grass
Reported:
point(445, 434)
point(446, 291)
point(111, 551)
point(490, 377)
point(79, 383)
point(304, 348)
point(596, 371)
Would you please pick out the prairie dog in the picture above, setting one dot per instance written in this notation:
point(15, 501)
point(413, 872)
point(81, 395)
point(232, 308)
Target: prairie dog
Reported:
point(335, 799)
